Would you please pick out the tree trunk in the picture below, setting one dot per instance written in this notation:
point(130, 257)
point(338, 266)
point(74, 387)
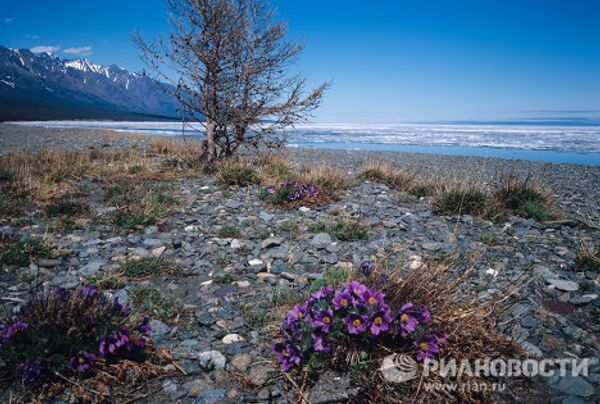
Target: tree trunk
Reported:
point(210, 140)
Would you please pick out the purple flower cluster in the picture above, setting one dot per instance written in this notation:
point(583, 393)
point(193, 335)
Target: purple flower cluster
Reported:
point(355, 310)
point(289, 192)
point(79, 326)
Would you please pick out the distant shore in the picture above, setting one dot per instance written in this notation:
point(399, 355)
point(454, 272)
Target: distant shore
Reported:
point(578, 186)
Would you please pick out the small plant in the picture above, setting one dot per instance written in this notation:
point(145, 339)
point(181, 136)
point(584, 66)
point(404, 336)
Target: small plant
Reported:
point(69, 333)
point(317, 227)
point(67, 207)
point(7, 175)
point(148, 266)
point(422, 191)
point(332, 276)
point(135, 169)
point(460, 202)
point(524, 198)
point(349, 230)
point(289, 193)
point(223, 279)
point(588, 259)
point(228, 231)
point(132, 220)
point(352, 318)
point(153, 302)
point(112, 282)
point(393, 177)
point(240, 172)
point(21, 253)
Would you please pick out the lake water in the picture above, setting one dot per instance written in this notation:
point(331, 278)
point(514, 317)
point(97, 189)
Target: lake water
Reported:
point(556, 144)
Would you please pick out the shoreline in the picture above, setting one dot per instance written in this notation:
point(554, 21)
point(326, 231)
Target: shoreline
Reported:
point(576, 185)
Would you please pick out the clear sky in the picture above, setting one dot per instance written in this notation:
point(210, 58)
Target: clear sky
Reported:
point(390, 60)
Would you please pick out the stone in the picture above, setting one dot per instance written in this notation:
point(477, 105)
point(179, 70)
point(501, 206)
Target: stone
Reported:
point(272, 242)
point(232, 338)
point(431, 246)
point(159, 330)
point(255, 262)
point(49, 263)
point(559, 307)
point(153, 242)
point(210, 396)
point(532, 349)
point(321, 240)
point(157, 252)
point(574, 385)
point(212, 360)
point(92, 268)
point(235, 244)
point(241, 361)
point(260, 374)
point(121, 296)
point(583, 299)
point(332, 388)
point(564, 285)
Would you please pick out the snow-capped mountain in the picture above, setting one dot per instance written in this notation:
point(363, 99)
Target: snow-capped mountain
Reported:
point(44, 86)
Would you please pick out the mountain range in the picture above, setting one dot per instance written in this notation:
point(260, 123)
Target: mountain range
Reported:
point(44, 86)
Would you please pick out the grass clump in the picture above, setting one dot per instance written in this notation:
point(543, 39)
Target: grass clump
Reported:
point(460, 202)
point(348, 230)
point(22, 253)
point(228, 231)
point(148, 266)
point(588, 258)
point(317, 227)
point(112, 282)
point(523, 197)
point(396, 178)
point(236, 172)
point(422, 191)
point(332, 276)
point(67, 206)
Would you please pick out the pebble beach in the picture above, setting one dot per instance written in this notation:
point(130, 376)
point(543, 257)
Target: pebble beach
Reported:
point(230, 276)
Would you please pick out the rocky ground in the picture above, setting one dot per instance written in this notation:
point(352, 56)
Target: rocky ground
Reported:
point(243, 260)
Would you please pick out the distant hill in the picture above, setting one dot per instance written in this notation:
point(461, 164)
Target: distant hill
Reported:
point(44, 86)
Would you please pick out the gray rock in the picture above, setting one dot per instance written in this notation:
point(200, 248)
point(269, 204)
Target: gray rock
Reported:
point(241, 361)
point(153, 242)
point(431, 246)
point(332, 388)
point(159, 330)
point(121, 296)
point(272, 242)
point(210, 396)
point(329, 259)
point(567, 286)
point(574, 385)
point(321, 240)
point(91, 268)
point(212, 360)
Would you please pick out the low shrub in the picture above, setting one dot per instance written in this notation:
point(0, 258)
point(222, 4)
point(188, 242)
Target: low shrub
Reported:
point(153, 302)
point(69, 333)
point(228, 231)
point(67, 206)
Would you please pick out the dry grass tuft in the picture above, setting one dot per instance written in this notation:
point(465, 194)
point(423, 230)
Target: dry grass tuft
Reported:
point(236, 172)
point(326, 179)
point(399, 179)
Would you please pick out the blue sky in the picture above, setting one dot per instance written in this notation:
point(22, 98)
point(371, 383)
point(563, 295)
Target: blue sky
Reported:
point(390, 60)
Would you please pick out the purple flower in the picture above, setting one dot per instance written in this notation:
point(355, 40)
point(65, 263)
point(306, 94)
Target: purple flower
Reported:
point(31, 372)
point(424, 314)
point(320, 345)
point(323, 320)
point(366, 268)
point(407, 322)
point(88, 291)
point(372, 297)
point(298, 313)
point(342, 300)
point(271, 189)
point(62, 294)
point(356, 289)
point(426, 347)
point(383, 277)
point(111, 343)
point(323, 293)
point(287, 355)
point(380, 321)
point(83, 362)
point(356, 323)
point(8, 330)
point(144, 326)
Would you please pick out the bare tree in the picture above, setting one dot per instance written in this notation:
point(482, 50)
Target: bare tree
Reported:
point(228, 62)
